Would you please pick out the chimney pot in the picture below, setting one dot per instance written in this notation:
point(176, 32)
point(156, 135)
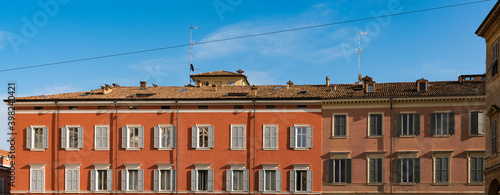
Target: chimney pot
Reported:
point(288, 84)
point(108, 86)
point(254, 90)
point(115, 85)
point(155, 85)
point(144, 85)
point(105, 89)
point(214, 87)
point(327, 81)
point(240, 71)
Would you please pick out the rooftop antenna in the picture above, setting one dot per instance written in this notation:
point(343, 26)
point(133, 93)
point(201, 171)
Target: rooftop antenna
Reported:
point(359, 50)
point(191, 56)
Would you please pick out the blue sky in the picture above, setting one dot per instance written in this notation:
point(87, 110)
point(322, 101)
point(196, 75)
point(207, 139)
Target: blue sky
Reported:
point(435, 45)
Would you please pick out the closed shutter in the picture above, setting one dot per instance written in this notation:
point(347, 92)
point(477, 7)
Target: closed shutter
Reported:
point(41, 177)
point(210, 180)
point(479, 169)
point(246, 179)
point(445, 171)
point(474, 123)
point(309, 180)
point(292, 181)
point(33, 180)
point(29, 133)
point(343, 126)
point(433, 123)
point(261, 180)
point(398, 124)
point(124, 138)
point(416, 165)
point(473, 170)
point(274, 136)
point(229, 177)
point(211, 136)
point(234, 139)
point(193, 180)
point(156, 137)
point(76, 175)
point(242, 137)
point(109, 181)
point(124, 180)
point(292, 136)
point(105, 135)
point(98, 137)
point(141, 137)
point(156, 179)
point(309, 139)
point(140, 180)
point(336, 126)
point(480, 123)
point(93, 174)
point(372, 167)
point(379, 124)
point(80, 137)
point(416, 124)
point(451, 121)
point(64, 135)
point(69, 181)
point(439, 169)
point(373, 124)
point(172, 179)
point(348, 167)
point(330, 171)
point(45, 137)
point(379, 169)
point(278, 180)
point(398, 170)
point(194, 136)
point(173, 136)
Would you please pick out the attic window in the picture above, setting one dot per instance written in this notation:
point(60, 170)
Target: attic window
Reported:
point(182, 90)
point(302, 93)
point(301, 106)
point(102, 107)
point(421, 86)
point(238, 107)
point(38, 108)
point(370, 88)
point(236, 94)
point(277, 88)
point(202, 107)
point(132, 107)
point(270, 106)
point(73, 107)
point(165, 107)
point(86, 94)
point(141, 95)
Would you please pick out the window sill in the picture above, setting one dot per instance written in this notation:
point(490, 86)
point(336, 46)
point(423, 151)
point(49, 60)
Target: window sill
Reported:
point(270, 192)
point(300, 192)
point(406, 184)
point(339, 137)
point(201, 192)
point(133, 149)
point(475, 184)
point(440, 184)
point(101, 192)
point(339, 184)
point(240, 149)
point(441, 136)
point(375, 184)
point(72, 149)
point(269, 148)
point(375, 136)
point(37, 149)
point(301, 149)
point(407, 136)
point(164, 149)
point(476, 135)
point(202, 148)
point(101, 149)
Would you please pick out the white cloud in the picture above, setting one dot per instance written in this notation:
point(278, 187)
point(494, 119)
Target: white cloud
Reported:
point(4, 38)
point(261, 77)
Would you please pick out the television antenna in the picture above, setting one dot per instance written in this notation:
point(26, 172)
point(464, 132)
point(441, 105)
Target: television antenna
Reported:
point(191, 56)
point(359, 50)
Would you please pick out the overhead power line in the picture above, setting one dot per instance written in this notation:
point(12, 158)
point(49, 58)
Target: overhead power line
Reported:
point(240, 37)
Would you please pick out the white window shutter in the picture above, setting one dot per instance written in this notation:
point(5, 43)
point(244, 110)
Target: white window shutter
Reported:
point(156, 178)
point(292, 136)
point(480, 122)
point(75, 179)
point(105, 137)
point(172, 179)
point(278, 180)
point(173, 137)
point(194, 136)
point(45, 137)
point(210, 180)
point(274, 136)
point(124, 137)
point(261, 180)
point(309, 135)
point(140, 180)
point(234, 137)
point(124, 180)
point(309, 180)
point(41, 178)
point(80, 137)
point(64, 137)
point(246, 180)
point(33, 179)
point(141, 137)
point(229, 177)
point(156, 137)
point(109, 182)
point(67, 177)
point(211, 136)
point(193, 180)
point(98, 137)
point(29, 133)
point(292, 181)
point(92, 180)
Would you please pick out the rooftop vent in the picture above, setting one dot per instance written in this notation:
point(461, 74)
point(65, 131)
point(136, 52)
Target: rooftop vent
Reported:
point(182, 90)
point(144, 85)
point(288, 84)
point(141, 95)
point(155, 85)
point(86, 94)
point(240, 71)
point(277, 88)
point(236, 94)
point(302, 93)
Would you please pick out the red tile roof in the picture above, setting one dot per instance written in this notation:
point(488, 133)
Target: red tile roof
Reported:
point(217, 73)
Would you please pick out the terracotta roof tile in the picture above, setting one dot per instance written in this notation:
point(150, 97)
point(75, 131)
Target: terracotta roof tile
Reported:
point(218, 73)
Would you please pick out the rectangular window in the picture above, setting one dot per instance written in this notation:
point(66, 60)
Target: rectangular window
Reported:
point(72, 137)
point(340, 126)
point(133, 179)
point(495, 51)
point(165, 137)
point(73, 108)
point(202, 180)
point(37, 179)
point(476, 123)
point(407, 170)
point(407, 124)
point(133, 137)
point(301, 137)
point(442, 123)
point(301, 180)
point(203, 137)
point(375, 124)
point(270, 106)
point(370, 88)
point(231, 83)
point(441, 170)
point(237, 136)
point(237, 180)
point(421, 86)
point(72, 179)
point(375, 170)
point(476, 170)
point(270, 136)
point(340, 170)
point(301, 106)
point(38, 137)
point(494, 138)
point(102, 107)
point(38, 108)
point(101, 137)
point(202, 107)
point(165, 180)
point(270, 180)
point(102, 180)
point(165, 107)
point(238, 107)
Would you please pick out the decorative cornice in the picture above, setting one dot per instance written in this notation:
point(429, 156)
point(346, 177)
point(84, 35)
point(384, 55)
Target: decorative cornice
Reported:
point(404, 100)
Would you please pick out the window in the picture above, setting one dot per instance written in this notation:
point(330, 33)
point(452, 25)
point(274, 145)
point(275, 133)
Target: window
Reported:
point(230, 83)
point(370, 88)
point(494, 64)
point(102, 107)
point(165, 107)
point(270, 178)
point(300, 180)
point(339, 125)
point(72, 177)
point(101, 137)
point(164, 179)
point(270, 137)
point(238, 137)
point(375, 170)
point(133, 137)
point(301, 106)
point(407, 170)
point(202, 136)
point(72, 137)
point(476, 123)
point(37, 177)
point(494, 137)
point(301, 136)
point(375, 124)
point(476, 170)
point(132, 107)
point(442, 123)
point(441, 170)
point(339, 170)
point(37, 138)
point(202, 180)
point(270, 106)
point(202, 107)
point(237, 180)
point(408, 124)
point(421, 86)
point(238, 107)
point(38, 108)
point(73, 107)
point(101, 178)
point(164, 137)
point(133, 178)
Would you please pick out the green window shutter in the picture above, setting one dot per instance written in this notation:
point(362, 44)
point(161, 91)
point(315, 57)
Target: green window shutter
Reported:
point(433, 123)
point(336, 128)
point(45, 137)
point(416, 164)
point(29, 133)
point(479, 170)
point(473, 169)
point(80, 137)
point(124, 180)
point(229, 177)
point(398, 124)
point(261, 180)
point(156, 137)
point(474, 123)
point(309, 135)
point(451, 120)
point(379, 125)
point(416, 123)
point(124, 137)
point(309, 180)
point(193, 180)
point(141, 137)
point(373, 124)
point(438, 169)
point(445, 172)
point(348, 165)
point(379, 169)
point(398, 170)
point(64, 135)
point(330, 171)
point(211, 136)
point(292, 181)
point(109, 182)
point(372, 170)
point(343, 125)
point(156, 179)
point(278, 180)
point(292, 137)
point(92, 180)
point(140, 180)
point(246, 180)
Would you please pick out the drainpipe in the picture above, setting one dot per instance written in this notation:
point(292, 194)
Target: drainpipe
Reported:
point(59, 145)
point(177, 147)
point(391, 138)
point(254, 123)
point(116, 148)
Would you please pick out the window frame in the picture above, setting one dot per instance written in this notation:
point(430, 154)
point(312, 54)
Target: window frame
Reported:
point(231, 83)
point(448, 126)
point(33, 148)
point(71, 167)
point(237, 167)
point(134, 167)
point(232, 147)
point(469, 157)
point(414, 134)
point(202, 167)
point(139, 135)
point(309, 183)
point(441, 155)
point(381, 125)
point(275, 180)
point(97, 168)
point(37, 167)
point(172, 137)
point(306, 147)
point(95, 137)
point(368, 86)
point(470, 122)
point(368, 163)
point(264, 137)
point(172, 181)
point(346, 125)
point(208, 137)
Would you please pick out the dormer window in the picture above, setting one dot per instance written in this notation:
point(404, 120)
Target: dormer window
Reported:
point(368, 84)
point(370, 88)
point(422, 85)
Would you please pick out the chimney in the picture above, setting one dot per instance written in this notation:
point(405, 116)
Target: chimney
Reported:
point(254, 90)
point(155, 85)
point(108, 86)
point(288, 84)
point(115, 85)
point(214, 87)
point(105, 90)
point(240, 72)
point(327, 81)
point(144, 85)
